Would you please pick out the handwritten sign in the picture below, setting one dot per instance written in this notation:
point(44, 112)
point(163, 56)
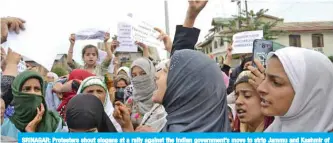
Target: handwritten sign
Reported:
point(243, 42)
point(126, 42)
point(90, 34)
point(145, 33)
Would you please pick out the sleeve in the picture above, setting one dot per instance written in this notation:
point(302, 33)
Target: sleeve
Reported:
point(6, 89)
point(185, 38)
point(73, 65)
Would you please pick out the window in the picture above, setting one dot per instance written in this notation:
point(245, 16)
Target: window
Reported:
point(221, 42)
point(317, 40)
point(215, 44)
point(295, 40)
point(210, 49)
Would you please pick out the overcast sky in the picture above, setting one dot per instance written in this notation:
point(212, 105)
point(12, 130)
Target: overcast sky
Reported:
point(78, 14)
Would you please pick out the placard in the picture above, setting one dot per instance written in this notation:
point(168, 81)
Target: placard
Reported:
point(243, 41)
point(126, 42)
point(90, 34)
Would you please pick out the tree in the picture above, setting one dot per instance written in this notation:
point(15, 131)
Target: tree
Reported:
point(253, 22)
point(331, 58)
point(60, 71)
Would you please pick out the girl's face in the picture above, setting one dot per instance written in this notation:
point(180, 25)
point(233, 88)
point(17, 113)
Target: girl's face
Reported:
point(90, 56)
point(276, 91)
point(121, 84)
point(96, 90)
point(32, 86)
point(137, 71)
point(248, 103)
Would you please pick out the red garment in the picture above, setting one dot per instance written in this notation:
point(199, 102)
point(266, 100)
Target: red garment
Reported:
point(267, 121)
point(77, 74)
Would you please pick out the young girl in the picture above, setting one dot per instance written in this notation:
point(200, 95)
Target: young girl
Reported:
point(90, 56)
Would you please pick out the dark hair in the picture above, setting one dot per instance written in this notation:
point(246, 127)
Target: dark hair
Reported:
point(88, 47)
point(122, 80)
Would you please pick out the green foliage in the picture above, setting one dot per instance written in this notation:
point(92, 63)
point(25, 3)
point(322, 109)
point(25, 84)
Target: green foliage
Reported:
point(253, 23)
point(60, 71)
point(331, 58)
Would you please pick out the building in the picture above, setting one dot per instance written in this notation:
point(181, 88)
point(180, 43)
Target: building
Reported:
point(314, 35)
point(35, 66)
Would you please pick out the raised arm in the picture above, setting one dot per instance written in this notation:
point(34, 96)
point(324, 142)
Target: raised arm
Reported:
point(108, 50)
point(186, 36)
point(70, 61)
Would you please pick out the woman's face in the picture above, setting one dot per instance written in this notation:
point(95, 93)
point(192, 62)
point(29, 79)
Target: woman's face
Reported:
point(32, 86)
point(161, 84)
point(137, 71)
point(83, 130)
point(276, 91)
point(248, 103)
point(121, 84)
point(96, 90)
point(90, 56)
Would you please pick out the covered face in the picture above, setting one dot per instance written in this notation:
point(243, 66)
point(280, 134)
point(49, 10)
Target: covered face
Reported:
point(193, 94)
point(88, 118)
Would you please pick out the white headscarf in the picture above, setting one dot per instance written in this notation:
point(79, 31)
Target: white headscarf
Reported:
point(52, 74)
point(311, 76)
point(126, 69)
point(108, 107)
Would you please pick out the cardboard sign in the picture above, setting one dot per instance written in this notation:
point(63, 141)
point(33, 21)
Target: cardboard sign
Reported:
point(90, 34)
point(126, 42)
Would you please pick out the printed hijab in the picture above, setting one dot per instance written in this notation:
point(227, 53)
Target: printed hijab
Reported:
point(195, 99)
point(26, 104)
point(87, 117)
point(310, 74)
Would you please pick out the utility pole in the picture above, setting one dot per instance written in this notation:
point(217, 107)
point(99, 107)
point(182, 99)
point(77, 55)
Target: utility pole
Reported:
point(166, 12)
point(239, 12)
point(247, 13)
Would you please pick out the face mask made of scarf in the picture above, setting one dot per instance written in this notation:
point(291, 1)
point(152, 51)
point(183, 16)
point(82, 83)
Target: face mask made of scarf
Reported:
point(143, 82)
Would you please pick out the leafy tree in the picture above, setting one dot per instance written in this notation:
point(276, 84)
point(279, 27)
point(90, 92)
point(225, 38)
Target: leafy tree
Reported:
point(60, 71)
point(331, 58)
point(253, 22)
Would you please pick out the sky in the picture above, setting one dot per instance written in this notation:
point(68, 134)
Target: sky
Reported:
point(69, 16)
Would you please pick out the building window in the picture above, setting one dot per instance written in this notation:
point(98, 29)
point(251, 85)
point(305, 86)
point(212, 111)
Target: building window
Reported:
point(215, 44)
point(210, 49)
point(295, 40)
point(221, 42)
point(317, 40)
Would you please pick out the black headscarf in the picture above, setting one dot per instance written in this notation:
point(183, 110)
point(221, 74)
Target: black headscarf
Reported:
point(195, 98)
point(85, 112)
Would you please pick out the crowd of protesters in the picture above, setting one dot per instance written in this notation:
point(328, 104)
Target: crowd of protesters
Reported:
point(187, 93)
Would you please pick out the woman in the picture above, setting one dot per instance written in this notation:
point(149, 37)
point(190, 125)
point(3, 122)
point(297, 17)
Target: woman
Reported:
point(95, 86)
point(124, 71)
point(140, 103)
point(121, 83)
point(297, 90)
point(66, 90)
point(193, 94)
point(249, 117)
point(90, 118)
point(30, 113)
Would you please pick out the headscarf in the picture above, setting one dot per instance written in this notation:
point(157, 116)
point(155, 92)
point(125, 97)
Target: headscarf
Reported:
point(125, 69)
point(195, 99)
point(90, 116)
point(77, 74)
point(108, 107)
point(162, 65)
point(144, 85)
point(26, 104)
point(52, 74)
point(310, 74)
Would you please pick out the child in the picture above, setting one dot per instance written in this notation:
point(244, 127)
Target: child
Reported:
point(90, 56)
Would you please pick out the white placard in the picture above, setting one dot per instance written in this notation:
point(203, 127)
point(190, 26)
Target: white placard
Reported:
point(90, 34)
point(243, 41)
point(145, 33)
point(126, 42)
